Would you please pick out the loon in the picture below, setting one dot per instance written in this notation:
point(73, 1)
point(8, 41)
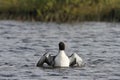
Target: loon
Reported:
point(61, 59)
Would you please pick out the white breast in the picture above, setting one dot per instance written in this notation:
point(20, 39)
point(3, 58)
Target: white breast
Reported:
point(62, 60)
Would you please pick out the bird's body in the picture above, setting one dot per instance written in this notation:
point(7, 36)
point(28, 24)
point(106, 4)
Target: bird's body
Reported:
point(62, 60)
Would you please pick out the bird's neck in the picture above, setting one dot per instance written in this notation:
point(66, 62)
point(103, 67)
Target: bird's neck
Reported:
point(62, 53)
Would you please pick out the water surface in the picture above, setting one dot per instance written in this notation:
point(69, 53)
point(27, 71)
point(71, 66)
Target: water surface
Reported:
point(23, 43)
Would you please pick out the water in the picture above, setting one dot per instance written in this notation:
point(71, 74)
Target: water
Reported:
point(23, 43)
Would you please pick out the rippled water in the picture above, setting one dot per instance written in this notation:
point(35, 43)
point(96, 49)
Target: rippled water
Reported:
point(23, 43)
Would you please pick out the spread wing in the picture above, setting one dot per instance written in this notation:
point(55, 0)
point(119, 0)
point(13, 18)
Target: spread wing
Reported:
point(75, 59)
point(46, 58)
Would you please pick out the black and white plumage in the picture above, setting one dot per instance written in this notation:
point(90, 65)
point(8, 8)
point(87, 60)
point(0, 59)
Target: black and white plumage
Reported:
point(61, 59)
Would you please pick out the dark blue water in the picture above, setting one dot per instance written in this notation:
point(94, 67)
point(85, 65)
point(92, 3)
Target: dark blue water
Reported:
point(23, 43)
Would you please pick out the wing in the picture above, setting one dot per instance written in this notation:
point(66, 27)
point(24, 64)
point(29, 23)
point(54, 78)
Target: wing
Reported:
point(46, 58)
point(75, 59)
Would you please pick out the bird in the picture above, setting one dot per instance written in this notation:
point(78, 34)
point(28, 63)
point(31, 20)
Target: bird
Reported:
point(61, 59)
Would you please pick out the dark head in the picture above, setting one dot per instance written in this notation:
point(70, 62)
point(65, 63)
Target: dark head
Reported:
point(61, 46)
